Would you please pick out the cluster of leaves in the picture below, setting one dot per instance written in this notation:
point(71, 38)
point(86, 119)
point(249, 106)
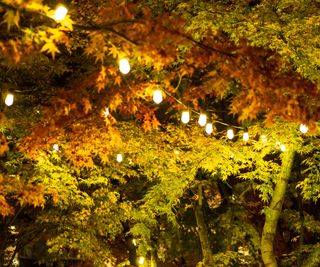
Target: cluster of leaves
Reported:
point(249, 59)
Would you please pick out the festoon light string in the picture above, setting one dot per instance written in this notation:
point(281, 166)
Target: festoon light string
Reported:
point(203, 121)
point(124, 67)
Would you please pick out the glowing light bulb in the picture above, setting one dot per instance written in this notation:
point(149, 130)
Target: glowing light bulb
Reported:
point(209, 128)
point(246, 136)
point(55, 147)
point(119, 158)
point(124, 66)
point(282, 148)
point(230, 134)
point(60, 13)
point(134, 242)
point(185, 117)
point(202, 120)
point(303, 128)
point(263, 138)
point(278, 145)
point(9, 99)
point(106, 112)
point(157, 96)
point(141, 260)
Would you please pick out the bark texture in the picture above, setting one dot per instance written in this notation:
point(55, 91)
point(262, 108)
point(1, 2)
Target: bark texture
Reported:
point(274, 210)
point(203, 231)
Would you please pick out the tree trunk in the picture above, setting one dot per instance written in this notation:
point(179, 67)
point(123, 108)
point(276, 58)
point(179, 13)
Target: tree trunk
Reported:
point(302, 232)
point(153, 260)
point(132, 252)
point(274, 210)
point(202, 231)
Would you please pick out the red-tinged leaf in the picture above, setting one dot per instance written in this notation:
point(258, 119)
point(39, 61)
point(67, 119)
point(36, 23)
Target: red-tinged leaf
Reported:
point(147, 126)
point(5, 208)
point(171, 100)
point(86, 105)
point(117, 80)
point(155, 123)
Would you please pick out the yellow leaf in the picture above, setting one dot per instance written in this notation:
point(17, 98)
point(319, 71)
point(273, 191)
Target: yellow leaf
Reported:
point(12, 18)
point(87, 105)
point(117, 80)
point(50, 48)
point(67, 23)
point(114, 51)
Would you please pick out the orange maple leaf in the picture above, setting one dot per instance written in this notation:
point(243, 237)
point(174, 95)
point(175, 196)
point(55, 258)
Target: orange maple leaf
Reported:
point(117, 80)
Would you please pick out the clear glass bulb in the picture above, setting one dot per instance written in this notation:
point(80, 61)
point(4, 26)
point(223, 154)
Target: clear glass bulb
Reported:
point(303, 128)
point(106, 112)
point(124, 66)
point(9, 99)
point(185, 117)
point(157, 96)
point(119, 157)
point(209, 128)
point(246, 136)
point(141, 260)
point(60, 13)
point(202, 120)
point(230, 134)
point(282, 148)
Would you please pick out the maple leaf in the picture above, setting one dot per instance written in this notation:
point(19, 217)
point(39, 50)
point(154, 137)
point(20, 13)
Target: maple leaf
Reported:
point(67, 23)
point(114, 51)
point(5, 208)
point(87, 105)
point(115, 102)
point(117, 80)
point(12, 18)
point(102, 79)
point(113, 71)
point(171, 100)
point(146, 126)
point(155, 123)
point(50, 48)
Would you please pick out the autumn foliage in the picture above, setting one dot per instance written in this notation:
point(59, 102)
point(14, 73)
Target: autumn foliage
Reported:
point(76, 111)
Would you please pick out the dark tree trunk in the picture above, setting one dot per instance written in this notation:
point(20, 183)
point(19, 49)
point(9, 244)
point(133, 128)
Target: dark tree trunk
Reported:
point(203, 231)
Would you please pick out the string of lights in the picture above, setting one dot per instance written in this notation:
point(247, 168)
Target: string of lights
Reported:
point(202, 120)
point(158, 96)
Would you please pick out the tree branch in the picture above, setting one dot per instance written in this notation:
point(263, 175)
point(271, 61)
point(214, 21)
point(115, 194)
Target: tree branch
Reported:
point(203, 46)
point(108, 27)
point(9, 7)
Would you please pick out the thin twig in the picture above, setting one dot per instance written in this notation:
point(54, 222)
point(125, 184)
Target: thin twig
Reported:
point(206, 47)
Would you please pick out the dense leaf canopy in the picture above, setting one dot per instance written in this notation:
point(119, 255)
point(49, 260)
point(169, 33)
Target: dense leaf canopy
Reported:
point(248, 65)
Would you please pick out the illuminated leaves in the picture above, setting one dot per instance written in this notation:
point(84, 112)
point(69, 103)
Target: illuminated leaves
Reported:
point(5, 208)
point(97, 46)
point(11, 18)
point(86, 105)
point(32, 195)
point(50, 48)
point(102, 79)
point(12, 190)
point(150, 121)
